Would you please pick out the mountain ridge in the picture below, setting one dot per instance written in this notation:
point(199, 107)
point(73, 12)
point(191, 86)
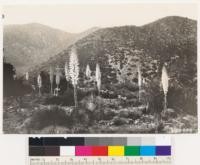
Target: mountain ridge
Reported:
point(24, 44)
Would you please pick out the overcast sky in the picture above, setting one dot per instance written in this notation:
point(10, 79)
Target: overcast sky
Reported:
point(77, 18)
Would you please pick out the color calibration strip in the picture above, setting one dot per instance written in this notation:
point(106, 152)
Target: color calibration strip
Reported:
point(100, 146)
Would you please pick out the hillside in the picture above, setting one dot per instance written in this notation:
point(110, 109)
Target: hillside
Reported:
point(30, 44)
point(171, 40)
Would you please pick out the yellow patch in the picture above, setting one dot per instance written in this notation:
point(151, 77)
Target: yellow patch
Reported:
point(115, 150)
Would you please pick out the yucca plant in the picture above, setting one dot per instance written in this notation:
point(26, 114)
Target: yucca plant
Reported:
point(139, 82)
point(58, 74)
point(51, 74)
point(88, 76)
point(39, 81)
point(74, 73)
point(165, 85)
point(98, 78)
point(67, 76)
point(27, 76)
point(88, 71)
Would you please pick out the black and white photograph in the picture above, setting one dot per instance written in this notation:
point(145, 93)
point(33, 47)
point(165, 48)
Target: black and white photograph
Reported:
point(99, 69)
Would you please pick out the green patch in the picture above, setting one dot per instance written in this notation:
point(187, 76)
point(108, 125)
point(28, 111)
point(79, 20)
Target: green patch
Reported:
point(132, 150)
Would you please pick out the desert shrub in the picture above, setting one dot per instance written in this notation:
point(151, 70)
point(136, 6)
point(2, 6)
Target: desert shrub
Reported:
point(108, 94)
point(112, 103)
point(119, 121)
point(134, 102)
point(127, 90)
point(131, 86)
point(127, 93)
point(5, 115)
point(108, 114)
point(123, 113)
point(94, 106)
point(83, 116)
point(169, 114)
point(64, 84)
point(88, 91)
point(8, 79)
point(80, 129)
point(53, 116)
point(109, 91)
point(66, 99)
point(183, 100)
point(45, 82)
point(60, 100)
point(154, 97)
point(133, 113)
point(16, 88)
point(89, 102)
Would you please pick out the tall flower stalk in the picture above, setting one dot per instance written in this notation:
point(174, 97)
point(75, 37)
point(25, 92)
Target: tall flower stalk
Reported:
point(58, 74)
point(98, 78)
point(139, 82)
point(27, 76)
point(51, 74)
point(67, 76)
point(39, 81)
point(74, 73)
point(88, 71)
point(165, 85)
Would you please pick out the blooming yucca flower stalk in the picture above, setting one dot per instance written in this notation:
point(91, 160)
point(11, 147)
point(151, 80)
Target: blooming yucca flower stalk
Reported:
point(139, 82)
point(74, 73)
point(165, 85)
point(67, 76)
point(98, 78)
point(51, 74)
point(88, 71)
point(39, 81)
point(58, 74)
point(27, 76)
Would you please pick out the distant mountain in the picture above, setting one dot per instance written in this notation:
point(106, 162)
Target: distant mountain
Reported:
point(171, 41)
point(27, 46)
point(30, 44)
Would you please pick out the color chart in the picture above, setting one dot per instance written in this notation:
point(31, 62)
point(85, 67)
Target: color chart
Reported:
point(100, 150)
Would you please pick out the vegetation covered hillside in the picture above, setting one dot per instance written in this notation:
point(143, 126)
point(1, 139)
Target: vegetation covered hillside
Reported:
point(118, 50)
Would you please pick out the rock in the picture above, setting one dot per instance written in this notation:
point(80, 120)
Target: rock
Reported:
point(119, 121)
point(109, 114)
point(169, 113)
point(90, 106)
point(104, 122)
point(187, 118)
point(68, 110)
point(24, 125)
point(90, 102)
point(43, 106)
point(124, 113)
point(130, 121)
point(137, 121)
point(36, 108)
point(142, 108)
point(135, 113)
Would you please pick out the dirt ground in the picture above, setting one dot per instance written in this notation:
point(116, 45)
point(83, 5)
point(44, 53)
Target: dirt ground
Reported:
point(20, 117)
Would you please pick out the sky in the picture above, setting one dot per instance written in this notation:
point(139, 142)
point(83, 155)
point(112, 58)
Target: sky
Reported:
point(76, 18)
